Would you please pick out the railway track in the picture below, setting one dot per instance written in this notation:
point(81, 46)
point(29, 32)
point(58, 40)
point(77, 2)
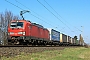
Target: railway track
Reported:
point(37, 46)
point(13, 50)
point(27, 46)
point(17, 50)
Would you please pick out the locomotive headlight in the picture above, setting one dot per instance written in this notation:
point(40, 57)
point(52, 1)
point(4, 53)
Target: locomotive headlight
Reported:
point(21, 33)
point(11, 33)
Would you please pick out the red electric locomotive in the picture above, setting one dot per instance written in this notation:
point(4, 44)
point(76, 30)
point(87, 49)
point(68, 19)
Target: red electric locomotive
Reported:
point(25, 32)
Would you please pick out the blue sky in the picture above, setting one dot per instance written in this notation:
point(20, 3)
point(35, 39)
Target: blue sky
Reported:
point(72, 14)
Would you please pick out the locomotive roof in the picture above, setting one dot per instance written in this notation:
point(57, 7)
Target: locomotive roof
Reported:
point(38, 25)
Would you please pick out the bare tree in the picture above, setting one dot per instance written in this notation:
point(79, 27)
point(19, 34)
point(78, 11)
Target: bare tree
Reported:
point(1, 20)
point(5, 19)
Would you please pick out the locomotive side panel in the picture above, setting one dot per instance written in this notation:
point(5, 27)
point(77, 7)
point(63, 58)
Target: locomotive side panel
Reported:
point(35, 32)
point(47, 37)
point(41, 33)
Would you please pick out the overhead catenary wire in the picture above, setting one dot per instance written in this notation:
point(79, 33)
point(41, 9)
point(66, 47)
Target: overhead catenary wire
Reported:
point(53, 14)
point(14, 5)
point(52, 8)
point(60, 15)
point(57, 17)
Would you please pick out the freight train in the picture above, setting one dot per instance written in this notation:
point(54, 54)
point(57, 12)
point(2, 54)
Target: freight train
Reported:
point(26, 32)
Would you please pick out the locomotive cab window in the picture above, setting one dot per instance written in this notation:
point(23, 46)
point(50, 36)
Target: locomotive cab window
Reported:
point(16, 25)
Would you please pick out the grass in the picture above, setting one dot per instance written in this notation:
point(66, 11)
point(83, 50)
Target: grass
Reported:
point(66, 54)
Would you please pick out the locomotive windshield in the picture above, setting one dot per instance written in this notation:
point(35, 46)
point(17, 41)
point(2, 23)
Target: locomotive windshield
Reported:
point(16, 25)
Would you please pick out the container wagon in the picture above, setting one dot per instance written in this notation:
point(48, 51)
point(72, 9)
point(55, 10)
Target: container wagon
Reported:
point(69, 39)
point(73, 41)
point(63, 39)
point(54, 35)
point(77, 42)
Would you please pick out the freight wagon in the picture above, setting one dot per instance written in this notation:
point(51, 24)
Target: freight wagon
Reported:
point(76, 42)
point(63, 39)
point(70, 39)
point(73, 41)
point(81, 43)
point(54, 35)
